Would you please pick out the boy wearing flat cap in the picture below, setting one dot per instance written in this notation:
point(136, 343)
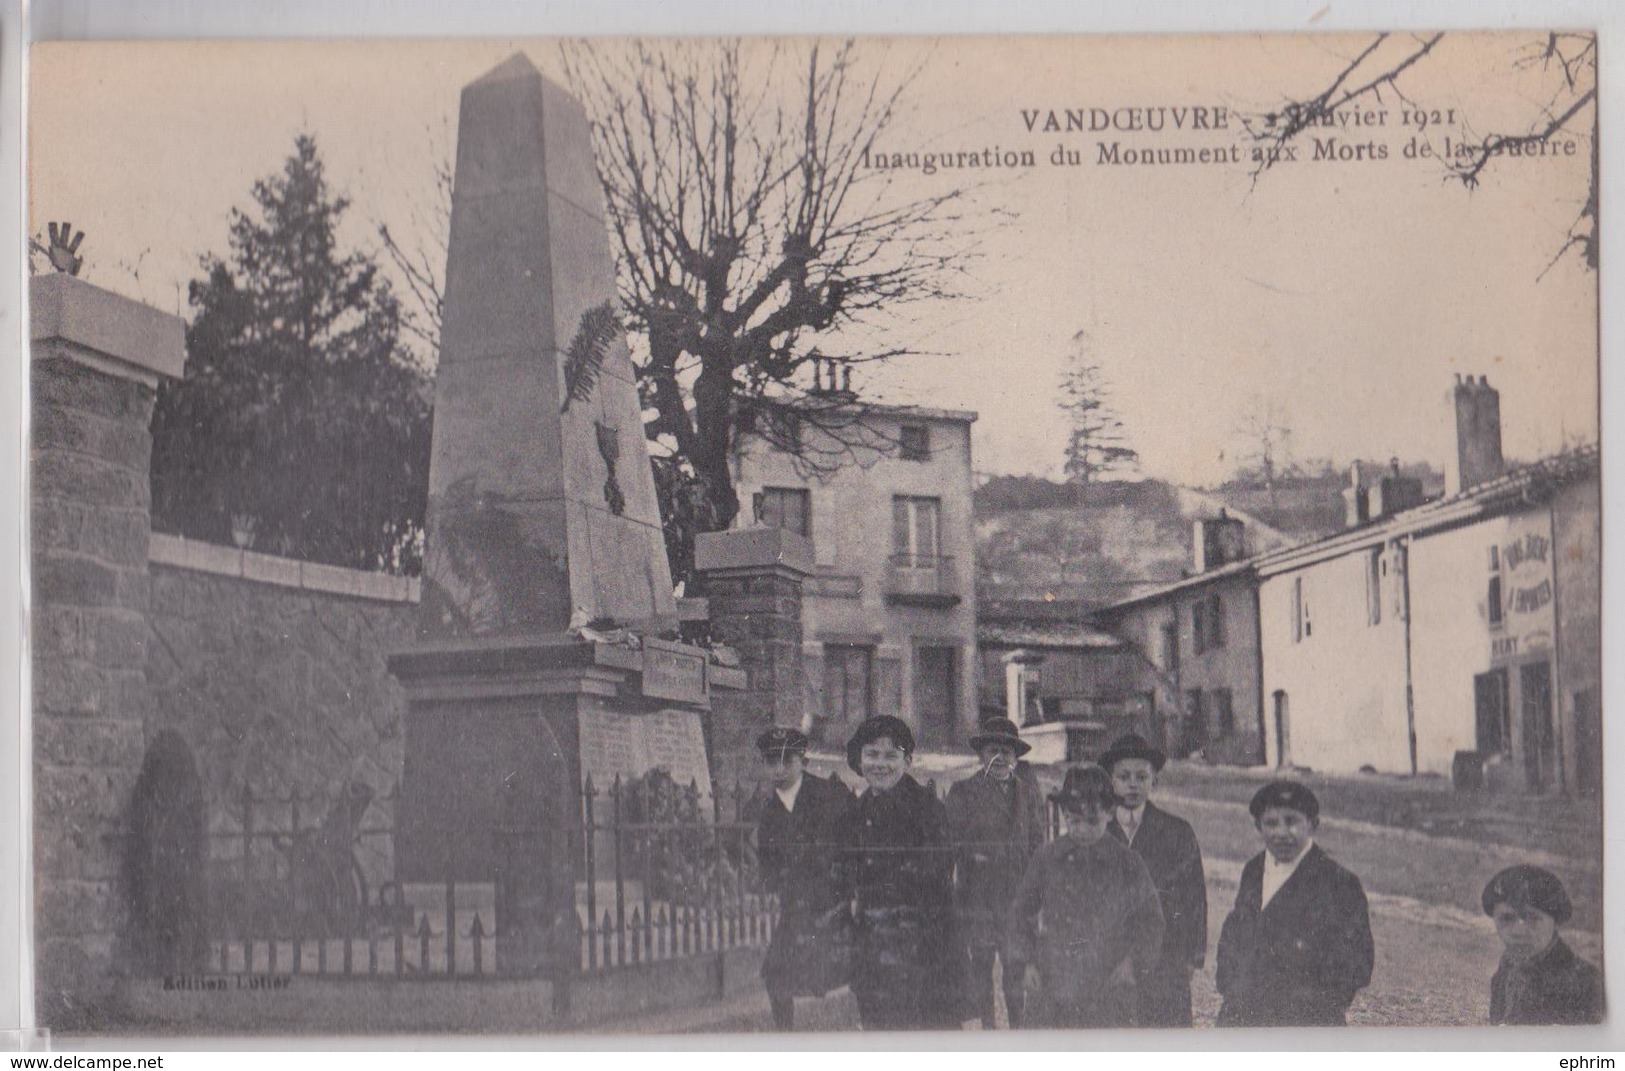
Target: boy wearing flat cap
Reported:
point(1297, 946)
point(1168, 846)
point(996, 818)
point(796, 846)
point(1540, 982)
point(1086, 915)
point(894, 867)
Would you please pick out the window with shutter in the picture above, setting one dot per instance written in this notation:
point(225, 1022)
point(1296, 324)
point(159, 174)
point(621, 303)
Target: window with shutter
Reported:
point(914, 442)
point(786, 507)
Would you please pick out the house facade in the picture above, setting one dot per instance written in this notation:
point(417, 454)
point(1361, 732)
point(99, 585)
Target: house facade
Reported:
point(889, 615)
point(1038, 670)
point(1460, 637)
point(1197, 643)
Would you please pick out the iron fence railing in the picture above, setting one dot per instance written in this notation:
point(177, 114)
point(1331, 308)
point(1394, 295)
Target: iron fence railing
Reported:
point(298, 884)
point(305, 885)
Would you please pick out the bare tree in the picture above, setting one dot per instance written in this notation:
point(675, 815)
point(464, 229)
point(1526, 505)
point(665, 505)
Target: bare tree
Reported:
point(756, 244)
point(1265, 441)
point(1096, 446)
point(1379, 70)
point(420, 270)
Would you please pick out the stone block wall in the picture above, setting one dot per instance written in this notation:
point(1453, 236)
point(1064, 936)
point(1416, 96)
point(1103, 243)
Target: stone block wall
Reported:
point(273, 671)
point(94, 375)
point(752, 580)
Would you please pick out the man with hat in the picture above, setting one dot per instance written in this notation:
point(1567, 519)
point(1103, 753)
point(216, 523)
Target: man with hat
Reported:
point(1297, 946)
point(1102, 925)
point(796, 846)
point(1168, 846)
point(996, 819)
point(1540, 981)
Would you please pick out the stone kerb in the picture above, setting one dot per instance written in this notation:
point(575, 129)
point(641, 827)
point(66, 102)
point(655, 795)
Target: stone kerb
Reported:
point(113, 334)
point(96, 362)
point(753, 551)
point(179, 552)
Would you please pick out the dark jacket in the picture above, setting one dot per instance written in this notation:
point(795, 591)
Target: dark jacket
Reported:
point(995, 832)
point(1168, 846)
point(1555, 988)
point(1082, 910)
point(797, 854)
point(894, 864)
point(1300, 960)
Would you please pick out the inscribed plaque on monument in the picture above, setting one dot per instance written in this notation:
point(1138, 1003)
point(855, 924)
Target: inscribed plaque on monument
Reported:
point(1240, 390)
point(673, 671)
point(631, 745)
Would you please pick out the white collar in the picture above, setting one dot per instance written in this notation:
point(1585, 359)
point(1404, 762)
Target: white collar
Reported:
point(788, 796)
point(1277, 874)
point(1271, 862)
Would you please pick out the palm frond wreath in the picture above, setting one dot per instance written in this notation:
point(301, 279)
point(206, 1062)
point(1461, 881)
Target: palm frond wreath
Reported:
point(585, 357)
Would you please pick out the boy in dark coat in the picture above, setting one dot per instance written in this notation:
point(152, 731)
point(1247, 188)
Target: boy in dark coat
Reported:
point(1168, 846)
point(1086, 915)
point(1540, 982)
point(1297, 946)
point(796, 846)
point(894, 866)
point(996, 818)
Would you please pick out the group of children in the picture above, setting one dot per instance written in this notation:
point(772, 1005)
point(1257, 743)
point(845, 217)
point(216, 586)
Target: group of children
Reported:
point(916, 903)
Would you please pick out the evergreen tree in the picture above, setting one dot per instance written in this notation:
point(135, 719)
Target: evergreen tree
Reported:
point(1096, 445)
point(302, 427)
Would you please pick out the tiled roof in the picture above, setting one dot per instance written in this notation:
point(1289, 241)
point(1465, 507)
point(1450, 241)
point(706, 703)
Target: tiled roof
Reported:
point(1526, 483)
point(1050, 634)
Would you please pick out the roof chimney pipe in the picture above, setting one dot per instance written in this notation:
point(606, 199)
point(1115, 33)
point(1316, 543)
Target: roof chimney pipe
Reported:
point(1476, 458)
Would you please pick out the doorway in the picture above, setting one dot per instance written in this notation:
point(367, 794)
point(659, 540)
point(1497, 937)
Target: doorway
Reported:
point(1492, 715)
point(1539, 742)
point(1587, 743)
point(936, 692)
point(1283, 730)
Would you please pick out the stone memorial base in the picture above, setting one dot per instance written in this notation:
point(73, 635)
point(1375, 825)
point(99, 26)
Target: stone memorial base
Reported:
point(502, 735)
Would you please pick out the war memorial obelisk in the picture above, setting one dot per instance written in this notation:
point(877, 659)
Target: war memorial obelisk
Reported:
point(542, 509)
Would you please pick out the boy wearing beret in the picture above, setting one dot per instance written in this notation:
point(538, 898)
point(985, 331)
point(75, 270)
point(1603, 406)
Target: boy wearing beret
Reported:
point(894, 868)
point(1168, 845)
point(796, 846)
point(1297, 946)
point(1540, 982)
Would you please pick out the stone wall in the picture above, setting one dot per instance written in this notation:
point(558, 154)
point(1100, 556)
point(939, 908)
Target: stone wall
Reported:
point(273, 670)
point(95, 365)
point(752, 580)
point(1577, 535)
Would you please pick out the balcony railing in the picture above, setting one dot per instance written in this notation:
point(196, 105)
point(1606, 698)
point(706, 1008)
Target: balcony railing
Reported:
point(922, 580)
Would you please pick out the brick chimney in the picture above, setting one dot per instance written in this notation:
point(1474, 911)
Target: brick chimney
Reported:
point(1476, 458)
point(1356, 500)
point(1395, 492)
point(1217, 541)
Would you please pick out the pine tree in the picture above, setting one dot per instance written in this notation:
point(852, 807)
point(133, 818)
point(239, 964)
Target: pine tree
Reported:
point(302, 427)
point(1096, 445)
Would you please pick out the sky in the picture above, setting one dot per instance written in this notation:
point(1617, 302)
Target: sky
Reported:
point(1342, 295)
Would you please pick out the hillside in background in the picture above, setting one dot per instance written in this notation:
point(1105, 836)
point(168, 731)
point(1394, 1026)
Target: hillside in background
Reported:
point(1307, 503)
point(1090, 546)
point(1041, 540)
